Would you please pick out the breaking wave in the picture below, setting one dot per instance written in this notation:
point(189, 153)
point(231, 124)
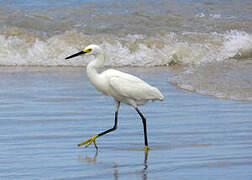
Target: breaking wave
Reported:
point(21, 48)
point(213, 57)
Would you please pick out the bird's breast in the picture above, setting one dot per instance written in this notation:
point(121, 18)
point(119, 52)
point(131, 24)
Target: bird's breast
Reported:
point(100, 84)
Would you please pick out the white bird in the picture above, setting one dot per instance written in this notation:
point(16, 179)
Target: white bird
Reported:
point(121, 86)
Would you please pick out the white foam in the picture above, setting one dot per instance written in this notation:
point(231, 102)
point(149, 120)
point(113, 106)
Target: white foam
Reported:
point(132, 50)
point(203, 15)
point(237, 44)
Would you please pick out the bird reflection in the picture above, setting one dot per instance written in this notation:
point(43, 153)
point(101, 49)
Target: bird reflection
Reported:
point(116, 175)
point(89, 159)
point(143, 172)
point(145, 165)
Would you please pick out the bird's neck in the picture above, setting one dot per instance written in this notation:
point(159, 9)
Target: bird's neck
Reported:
point(93, 66)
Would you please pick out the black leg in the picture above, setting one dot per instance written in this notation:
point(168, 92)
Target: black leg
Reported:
point(92, 139)
point(115, 125)
point(144, 126)
point(112, 129)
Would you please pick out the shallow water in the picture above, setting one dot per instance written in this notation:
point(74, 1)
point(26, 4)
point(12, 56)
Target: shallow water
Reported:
point(207, 39)
point(46, 112)
point(48, 106)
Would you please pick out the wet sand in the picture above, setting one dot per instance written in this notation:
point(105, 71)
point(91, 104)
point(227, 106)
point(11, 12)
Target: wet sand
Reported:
point(46, 112)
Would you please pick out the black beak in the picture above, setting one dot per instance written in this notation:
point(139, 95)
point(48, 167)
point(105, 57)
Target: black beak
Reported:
point(74, 55)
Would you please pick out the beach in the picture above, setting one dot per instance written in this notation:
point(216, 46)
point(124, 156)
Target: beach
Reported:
point(197, 53)
point(46, 112)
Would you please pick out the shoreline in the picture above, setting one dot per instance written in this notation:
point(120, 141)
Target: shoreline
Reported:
point(47, 112)
point(169, 71)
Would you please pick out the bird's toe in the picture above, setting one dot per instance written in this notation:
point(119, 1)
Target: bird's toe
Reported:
point(89, 141)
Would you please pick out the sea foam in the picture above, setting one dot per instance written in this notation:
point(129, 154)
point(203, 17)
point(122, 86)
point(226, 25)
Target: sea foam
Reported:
point(20, 48)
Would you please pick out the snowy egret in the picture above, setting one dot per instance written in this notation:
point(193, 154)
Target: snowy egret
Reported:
point(121, 86)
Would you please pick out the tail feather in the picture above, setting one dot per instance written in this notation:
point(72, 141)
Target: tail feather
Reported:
point(157, 94)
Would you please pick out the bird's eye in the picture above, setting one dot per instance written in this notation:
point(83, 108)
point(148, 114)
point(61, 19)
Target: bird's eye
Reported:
point(87, 50)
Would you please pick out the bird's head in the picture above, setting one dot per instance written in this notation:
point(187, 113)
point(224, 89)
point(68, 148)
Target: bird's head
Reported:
point(89, 50)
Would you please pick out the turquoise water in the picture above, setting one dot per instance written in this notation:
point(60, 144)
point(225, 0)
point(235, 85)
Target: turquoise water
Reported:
point(46, 112)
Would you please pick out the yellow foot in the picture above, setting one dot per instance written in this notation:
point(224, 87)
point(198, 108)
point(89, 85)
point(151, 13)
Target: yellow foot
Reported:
point(89, 141)
point(146, 148)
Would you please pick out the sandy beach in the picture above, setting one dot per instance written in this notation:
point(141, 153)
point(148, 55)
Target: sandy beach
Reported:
point(46, 112)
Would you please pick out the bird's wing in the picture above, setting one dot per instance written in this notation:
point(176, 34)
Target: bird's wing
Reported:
point(134, 88)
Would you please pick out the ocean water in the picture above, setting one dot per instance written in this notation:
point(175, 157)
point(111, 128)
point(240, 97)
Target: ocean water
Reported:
point(208, 43)
point(46, 112)
point(198, 53)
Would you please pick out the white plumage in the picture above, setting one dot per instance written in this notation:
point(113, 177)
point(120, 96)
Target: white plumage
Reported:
point(121, 86)
point(128, 89)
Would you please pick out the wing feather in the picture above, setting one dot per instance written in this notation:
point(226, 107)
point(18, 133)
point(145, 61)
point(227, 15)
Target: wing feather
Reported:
point(132, 87)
